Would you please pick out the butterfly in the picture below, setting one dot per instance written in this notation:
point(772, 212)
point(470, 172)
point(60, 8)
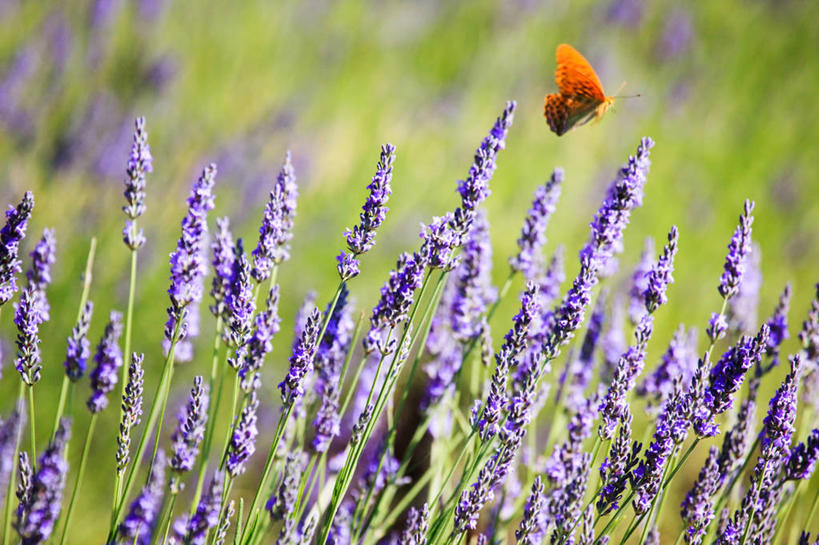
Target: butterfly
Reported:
point(581, 97)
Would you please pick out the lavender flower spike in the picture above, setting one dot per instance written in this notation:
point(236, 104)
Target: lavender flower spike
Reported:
point(10, 236)
point(697, 508)
point(283, 500)
point(108, 359)
point(415, 532)
point(27, 320)
point(140, 163)
point(39, 275)
point(301, 361)
point(243, 440)
point(139, 522)
point(78, 351)
point(206, 516)
point(738, 249)
point(37, 517)
point(240, 306)
point(277, 225)
point(530, 531)
point(361, 238)
point(131, 409)
point(260, 343)
point(191, 429)
point(473, 290)
point(222, 248)
point(803, 457)
point(529, 259)
point(187, 261)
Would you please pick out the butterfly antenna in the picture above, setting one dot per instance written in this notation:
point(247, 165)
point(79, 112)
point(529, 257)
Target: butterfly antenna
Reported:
point(618, 95)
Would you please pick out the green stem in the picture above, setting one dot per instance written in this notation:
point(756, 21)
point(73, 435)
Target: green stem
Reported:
point(755, 496)
point(31, 425)
point(129, 318)
point(169, 517)
point(13, 473)
point(80, 472)
point(812, 509)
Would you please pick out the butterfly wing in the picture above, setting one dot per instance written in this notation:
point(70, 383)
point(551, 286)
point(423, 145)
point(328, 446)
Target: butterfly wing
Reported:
point(562, 113)
point(575, 77)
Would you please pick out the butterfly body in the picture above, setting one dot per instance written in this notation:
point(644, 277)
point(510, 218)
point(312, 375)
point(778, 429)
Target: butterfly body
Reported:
point(581, 97)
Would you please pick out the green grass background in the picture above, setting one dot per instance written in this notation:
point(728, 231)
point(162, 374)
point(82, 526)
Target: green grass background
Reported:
point(734, 115)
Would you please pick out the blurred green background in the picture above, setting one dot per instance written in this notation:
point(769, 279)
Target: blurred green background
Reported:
point(728, 93)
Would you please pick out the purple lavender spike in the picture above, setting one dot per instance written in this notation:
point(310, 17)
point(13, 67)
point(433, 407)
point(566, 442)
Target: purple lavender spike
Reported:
point(738, 438)
point(361, 238)
point(277, 225)
point(108, 359)
point(206, 516)
point(301, 361)
point(738, 249)
point(78, 351)
point(639, 280)
point(12, 233)
point(27, 320)
point(243, 440)
point(131, 409)
point(743, 307)
point(697, 509)
point(529, 259)
point(778, 326)
point(37, 516)
point(473, 283)
point(415, 532)
point(260, 343)
point(240, 306)
point(530, 531)
point(802, 459)
point(139, 523)
point(39, 275)
point(190, 431)
point(617, 468)
point(140, 163)
point(188, 264)
point(222, 248)
point(677, 363)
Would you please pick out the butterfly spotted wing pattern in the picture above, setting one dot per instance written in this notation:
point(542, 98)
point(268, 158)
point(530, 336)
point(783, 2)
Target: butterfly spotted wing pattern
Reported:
point(581, 96)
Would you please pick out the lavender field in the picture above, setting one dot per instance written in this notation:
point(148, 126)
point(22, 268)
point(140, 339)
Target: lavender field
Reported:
point(321, 274)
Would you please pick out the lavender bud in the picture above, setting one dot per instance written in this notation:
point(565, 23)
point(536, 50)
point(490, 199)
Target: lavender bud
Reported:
point(224, 525)
point(131, 409)
point(639, 282)
point(616, 469)
point(222, 247)
point(738, 249)
point(240, 307)
point(277, 225)
point(140, 162)
point(533, 238)
point(191, 429)
point(778, 326)
point(27, 320)
point(206, 516)
point(283, 500)
point(473, 291)
point(78, 351)
point(139, 522)
point(778, 428)
point(660, 276)
point(697, 508)
point(530, 531)
point(39, 275)
point(717, 326)
point(260, 343)
point(415, 531)
point(301, 361)
point(243, 440)
point(11, 234)
point(108, 359)
point(802, 459)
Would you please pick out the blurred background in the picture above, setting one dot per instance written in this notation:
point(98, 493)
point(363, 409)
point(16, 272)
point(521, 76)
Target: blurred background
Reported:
point(728, 91)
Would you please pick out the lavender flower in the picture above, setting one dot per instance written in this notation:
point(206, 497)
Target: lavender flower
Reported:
point(191, 428)
point(446, 353)
point(39, 275)
point(473, 283)
point(717, 327)
point(361, 238)
point(37, 516)
point(778, 326)
point(778, 426)
point(240, 305)
point(579, 371)
point(529, 532)
point(222, 247)
point(415, 532)
point(301, 361)
point(737, 439)
point(10, 236)
point(283, 500)
point(743, 307)
point(802, 459)
point(528, 259)
point(639, 279)
point(277, 225)
point(140, 163)
point(108, 359)
point(139, 522)
point(660, 276)
point(809, 336)
point(206, 516)
point(78, 351)
point(187, 261)
point(27, 320)
point(677, 363)
point(260, 343)
point(224, 525)
point(738, 249)
point(697, 508)
point(131, 409)
point(616, 469)
point(243, 439)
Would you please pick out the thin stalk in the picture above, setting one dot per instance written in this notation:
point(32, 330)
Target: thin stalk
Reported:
point(755, 494)
point(80, 472)
point(129, 319)
point(233, 406)
point(31, 425)
point(169, 517)
point(13, 473)
point(726, 494)
point(812, 509)
point(783, 519)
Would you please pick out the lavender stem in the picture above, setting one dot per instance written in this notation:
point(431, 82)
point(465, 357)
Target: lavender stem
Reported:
point(10, 489)
point(31, 425)
point(80, 472)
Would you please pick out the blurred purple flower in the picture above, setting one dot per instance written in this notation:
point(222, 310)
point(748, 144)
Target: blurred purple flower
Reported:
point(277, 225)
point(109, 360)
point(533, 235)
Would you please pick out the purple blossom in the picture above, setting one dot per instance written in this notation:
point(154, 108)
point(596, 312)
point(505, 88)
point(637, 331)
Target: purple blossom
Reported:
point(282, 502)
point(301, 361)
point(717, 327)
point(27, 320)
point(140, 163)
point(39, 275)
point(243, 438)
point(743, 307)
point(108, 359)
point(190, 431)
point(802, 459)
point(131, 409)
point(530, 531)
point(240, 306)
point(361, 238)
point(206, 516)
point(677, 363)
point(660, 276)
point(415, 531)
point(446, 353)
point(580, 370)
point(738, 249)
point(277, 225)
point(11, 234)
point(737, 439)
point(188, 264)
point(616, 469)
point(440, 242)
point(473, 283)
point(139, 522)
point(639, 282)
point(532, 239)
point(261, 342)
point(222, 248)
point(778, 425)
point(778, 326)
point(37, 516)
point(78, 351)
point(697, 509)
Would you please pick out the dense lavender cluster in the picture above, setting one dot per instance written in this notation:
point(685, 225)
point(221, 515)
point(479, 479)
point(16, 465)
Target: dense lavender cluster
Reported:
point(426, 432)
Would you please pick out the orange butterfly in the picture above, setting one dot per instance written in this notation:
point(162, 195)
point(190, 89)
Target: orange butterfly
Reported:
point(581, 96)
